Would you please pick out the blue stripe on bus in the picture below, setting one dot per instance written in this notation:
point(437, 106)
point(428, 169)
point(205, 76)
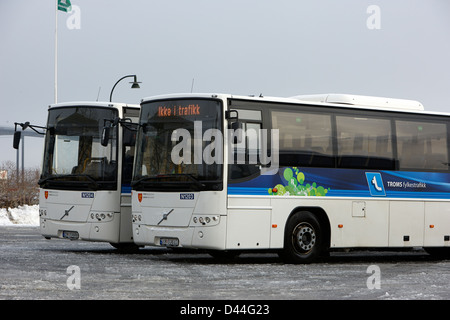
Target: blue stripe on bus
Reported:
point(247, 191)
point(346, 193)
point(296, 181)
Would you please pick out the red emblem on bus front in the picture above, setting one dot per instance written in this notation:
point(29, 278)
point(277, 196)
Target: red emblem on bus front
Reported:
point(46, 194)
point(140, 197)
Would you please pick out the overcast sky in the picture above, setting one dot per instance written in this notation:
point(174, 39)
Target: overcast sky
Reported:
point(398, 49)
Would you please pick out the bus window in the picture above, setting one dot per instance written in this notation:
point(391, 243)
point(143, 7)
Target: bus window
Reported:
point(246, 153)
point(364, 143)
point(129, 141)
point(305, 138)
point(422, 145)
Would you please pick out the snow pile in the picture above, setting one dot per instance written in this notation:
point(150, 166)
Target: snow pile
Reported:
point(23, 215)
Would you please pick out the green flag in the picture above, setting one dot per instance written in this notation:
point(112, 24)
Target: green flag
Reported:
point(64, 5)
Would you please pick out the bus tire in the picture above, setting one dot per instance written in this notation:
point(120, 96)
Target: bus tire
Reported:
point(303, 238)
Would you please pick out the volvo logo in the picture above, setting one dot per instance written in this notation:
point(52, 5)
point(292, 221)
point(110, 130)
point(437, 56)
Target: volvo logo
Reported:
point(66, 212)
point(165, 215)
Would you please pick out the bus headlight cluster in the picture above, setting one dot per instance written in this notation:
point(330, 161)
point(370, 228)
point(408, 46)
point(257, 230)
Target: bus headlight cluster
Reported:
point(206, 220)
point(102, 216)
point(42, 212)
point(137, 218)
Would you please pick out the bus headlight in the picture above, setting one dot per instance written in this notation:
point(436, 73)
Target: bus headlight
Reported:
point(206, 220)
point(101, 216)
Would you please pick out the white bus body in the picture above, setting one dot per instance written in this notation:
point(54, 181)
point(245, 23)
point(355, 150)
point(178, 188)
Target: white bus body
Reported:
point(352, 172)
point(85, 188)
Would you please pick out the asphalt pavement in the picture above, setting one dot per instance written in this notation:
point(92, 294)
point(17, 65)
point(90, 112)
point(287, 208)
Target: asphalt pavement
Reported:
point(33, 268)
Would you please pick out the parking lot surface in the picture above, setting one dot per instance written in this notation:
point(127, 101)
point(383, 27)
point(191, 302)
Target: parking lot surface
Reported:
point(34, 268)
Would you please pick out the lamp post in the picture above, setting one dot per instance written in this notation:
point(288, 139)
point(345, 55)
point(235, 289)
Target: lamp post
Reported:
point(134, 84)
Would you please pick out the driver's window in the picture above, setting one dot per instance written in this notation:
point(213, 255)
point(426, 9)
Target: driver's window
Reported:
point(245, 160)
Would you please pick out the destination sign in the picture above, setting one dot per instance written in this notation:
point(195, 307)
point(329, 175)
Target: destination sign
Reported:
point(179, 110)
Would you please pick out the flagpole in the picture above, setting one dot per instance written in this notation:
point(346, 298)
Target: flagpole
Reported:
point(56, 52)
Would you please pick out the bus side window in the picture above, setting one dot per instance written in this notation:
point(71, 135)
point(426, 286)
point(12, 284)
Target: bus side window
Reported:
point(128, 144)
point(422, 145)
point(246, 153)
point(364, 143)
point(305, 138)
point(129, 141)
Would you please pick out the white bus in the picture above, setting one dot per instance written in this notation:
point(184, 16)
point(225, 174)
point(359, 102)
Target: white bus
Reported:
point(300, 176)
point(85, 190)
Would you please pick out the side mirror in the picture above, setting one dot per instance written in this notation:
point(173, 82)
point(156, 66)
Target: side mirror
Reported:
point(16, 142)
point(105, 136)
point(236, 126)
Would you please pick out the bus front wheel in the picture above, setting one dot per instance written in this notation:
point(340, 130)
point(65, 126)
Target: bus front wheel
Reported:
point(303, 240)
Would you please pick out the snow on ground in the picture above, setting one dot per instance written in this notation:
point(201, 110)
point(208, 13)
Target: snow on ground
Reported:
point(21, 216)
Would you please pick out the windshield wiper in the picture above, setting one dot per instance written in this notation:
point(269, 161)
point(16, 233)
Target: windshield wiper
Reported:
point(191, 177)
point(63, 177)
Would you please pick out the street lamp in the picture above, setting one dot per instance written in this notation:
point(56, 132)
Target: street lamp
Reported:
point(134, 84)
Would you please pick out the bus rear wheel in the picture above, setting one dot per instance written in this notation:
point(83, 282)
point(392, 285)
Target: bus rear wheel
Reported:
point(303, 241)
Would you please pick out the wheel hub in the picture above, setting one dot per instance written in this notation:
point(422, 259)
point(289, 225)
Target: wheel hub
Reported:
point(306, 237)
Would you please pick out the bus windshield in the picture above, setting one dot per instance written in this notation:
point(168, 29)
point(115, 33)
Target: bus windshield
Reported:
point(179, 146)
point(74, 158)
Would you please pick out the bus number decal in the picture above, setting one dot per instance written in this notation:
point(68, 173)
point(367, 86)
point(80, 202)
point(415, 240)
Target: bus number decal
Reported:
point(89, 195)
point(186, 196)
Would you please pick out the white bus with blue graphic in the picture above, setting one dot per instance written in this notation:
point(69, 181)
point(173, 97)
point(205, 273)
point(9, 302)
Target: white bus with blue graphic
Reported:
point(300, 176)
point(85, 188)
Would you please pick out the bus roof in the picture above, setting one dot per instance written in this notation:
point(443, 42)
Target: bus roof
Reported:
point(364, 101)
point(329, 99)
point(92, 104)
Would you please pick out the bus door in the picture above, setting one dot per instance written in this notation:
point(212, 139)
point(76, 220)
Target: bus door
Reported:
point(249, 216)
point(128, 144)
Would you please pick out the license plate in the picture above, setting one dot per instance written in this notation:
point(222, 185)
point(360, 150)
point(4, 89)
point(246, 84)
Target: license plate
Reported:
point(169, 242)
point(71, 235)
